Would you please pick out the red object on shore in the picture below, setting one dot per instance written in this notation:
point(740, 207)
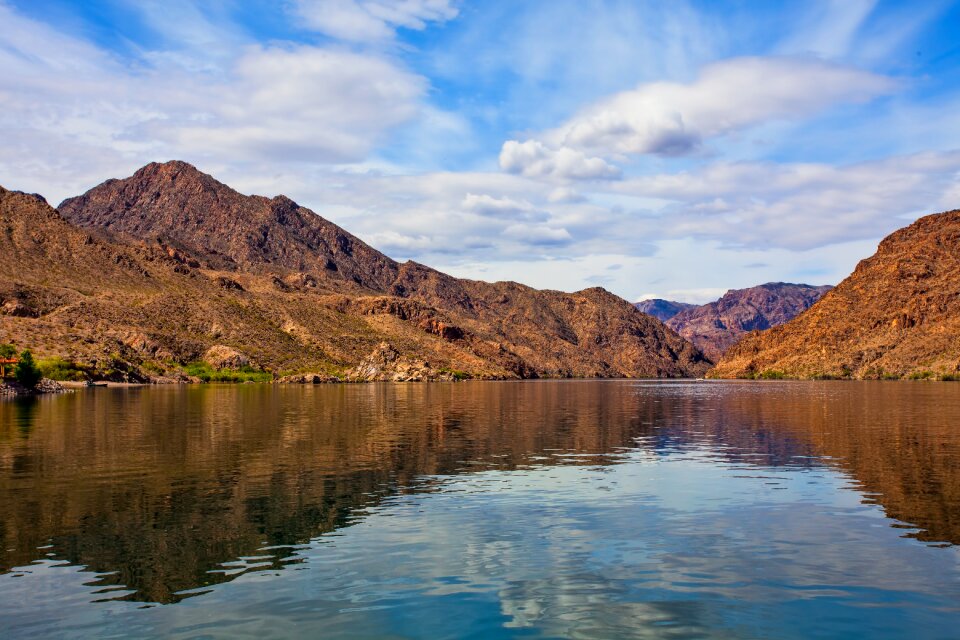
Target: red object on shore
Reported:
point(3, 365)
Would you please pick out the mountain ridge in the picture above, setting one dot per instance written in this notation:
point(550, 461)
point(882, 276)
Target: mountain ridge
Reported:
point(897, 315)
point(295, 292)
point(716, 326)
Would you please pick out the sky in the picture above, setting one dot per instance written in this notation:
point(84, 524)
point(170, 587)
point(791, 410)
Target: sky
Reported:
point(657, 149)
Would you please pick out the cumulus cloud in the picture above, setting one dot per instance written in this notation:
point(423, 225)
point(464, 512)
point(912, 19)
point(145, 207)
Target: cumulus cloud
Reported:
point(371, 20)
point(534, 159)
point(308, 102)
point(72, 113)
point(490, 205)
point(801, 205)
point(672, 119)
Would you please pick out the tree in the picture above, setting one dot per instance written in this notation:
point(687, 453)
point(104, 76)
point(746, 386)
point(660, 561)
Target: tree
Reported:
point(7, 351)
point(27, 372)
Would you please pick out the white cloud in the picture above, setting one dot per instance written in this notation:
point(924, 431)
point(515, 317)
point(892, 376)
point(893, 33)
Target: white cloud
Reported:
point(671, 119)
point(830, 27)
point(534, 159)
point(305, 102)
point(801, 205)
point(72, 114)
point(372, 20)
point(489, 205)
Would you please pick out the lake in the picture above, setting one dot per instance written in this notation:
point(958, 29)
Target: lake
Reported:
point(541, 509)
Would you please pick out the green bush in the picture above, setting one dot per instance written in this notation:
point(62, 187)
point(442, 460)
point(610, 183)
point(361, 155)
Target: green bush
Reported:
point(27, 373)
point(921, 375)
point(771, 374)
point(7, 351)
point(60, 369)
point(950, 377)
point(207, 373)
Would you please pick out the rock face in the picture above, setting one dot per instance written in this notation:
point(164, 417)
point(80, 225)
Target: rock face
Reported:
point(183, 263)
point(223, 357)
point(386, 364)
point(662, 309)
point(716, 326)
point(896, 315)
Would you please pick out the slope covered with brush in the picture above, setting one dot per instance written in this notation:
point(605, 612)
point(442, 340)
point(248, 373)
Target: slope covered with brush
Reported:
point(896, 315)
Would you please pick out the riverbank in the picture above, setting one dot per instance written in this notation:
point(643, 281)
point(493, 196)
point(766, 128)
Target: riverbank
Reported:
point(12, 389)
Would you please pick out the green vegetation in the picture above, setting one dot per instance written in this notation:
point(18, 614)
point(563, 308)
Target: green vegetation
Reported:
point(207, 373)
point(950, 377)
point(921, 375)
point(60, 369)
point(27, 373)
point(771, 374)
point(7, 351)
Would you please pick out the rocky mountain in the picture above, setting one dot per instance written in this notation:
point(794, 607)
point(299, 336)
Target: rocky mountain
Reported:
point(141, 276)
point(662, 309)
point(896, 315)
point(714, 327)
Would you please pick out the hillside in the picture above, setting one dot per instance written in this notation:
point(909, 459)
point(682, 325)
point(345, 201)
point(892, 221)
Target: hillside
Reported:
point(172, 263)
point(662, 309)
point(896, 315)
point(714, 327)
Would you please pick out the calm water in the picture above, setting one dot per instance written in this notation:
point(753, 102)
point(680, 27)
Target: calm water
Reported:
point(544, 509)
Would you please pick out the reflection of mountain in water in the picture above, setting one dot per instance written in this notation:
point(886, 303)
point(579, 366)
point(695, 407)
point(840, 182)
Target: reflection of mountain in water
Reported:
point(165, 485)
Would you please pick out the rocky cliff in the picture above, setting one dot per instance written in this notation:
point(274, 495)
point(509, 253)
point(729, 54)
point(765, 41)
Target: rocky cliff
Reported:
point(143, 275)
point(714, 327)
point(896, 315)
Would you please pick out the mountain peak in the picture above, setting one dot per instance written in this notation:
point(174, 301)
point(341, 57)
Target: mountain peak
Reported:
point(178, 204)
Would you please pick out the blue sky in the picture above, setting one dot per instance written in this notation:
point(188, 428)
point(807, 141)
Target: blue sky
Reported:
point(673, 149)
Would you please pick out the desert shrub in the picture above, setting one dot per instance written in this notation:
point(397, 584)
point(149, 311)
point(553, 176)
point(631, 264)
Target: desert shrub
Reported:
point(60, 369)
point(7, 351)
point(950, 377)
point(27, 373)
point(207, 373)
point(921, 375)
point(771, 374)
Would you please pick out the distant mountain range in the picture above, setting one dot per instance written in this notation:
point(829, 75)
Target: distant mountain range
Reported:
point(139, 277)
point(716, 326)
point(662, 309)
point(897, 315)
point(149, 277)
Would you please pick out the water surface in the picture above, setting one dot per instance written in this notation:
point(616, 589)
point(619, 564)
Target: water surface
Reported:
point(535, 509)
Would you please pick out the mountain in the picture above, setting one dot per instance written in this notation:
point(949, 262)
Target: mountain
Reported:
point(662, 309)
point(714, 327)
point(141, 276)
point(896, 315)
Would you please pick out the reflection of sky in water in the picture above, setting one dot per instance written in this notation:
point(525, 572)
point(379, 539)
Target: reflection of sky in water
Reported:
point(677, 545)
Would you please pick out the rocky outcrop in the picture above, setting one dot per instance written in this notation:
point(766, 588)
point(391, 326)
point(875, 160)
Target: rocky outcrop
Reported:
point(10, 388)
point(714, 327)
point(308, 378)
point(896, 315)
point(223, 357)
point(386, 364)
point(662, 309)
